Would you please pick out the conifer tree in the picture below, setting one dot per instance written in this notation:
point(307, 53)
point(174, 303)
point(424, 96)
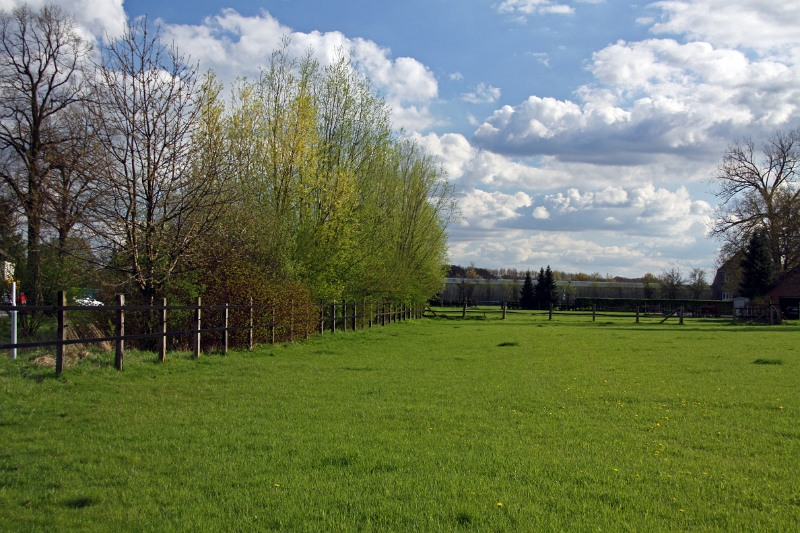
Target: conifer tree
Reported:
point(546, 290)
point(527, 295)
point(757, 266)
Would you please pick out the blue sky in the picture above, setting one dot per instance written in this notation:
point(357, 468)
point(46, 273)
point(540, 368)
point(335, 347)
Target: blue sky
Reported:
point(579, 134)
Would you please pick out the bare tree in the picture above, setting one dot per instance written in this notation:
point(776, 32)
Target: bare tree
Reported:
point(671, 283)
point(697, 283)
point(72, 187)
point(163, 191)
point(42, 59)
point(760, 191)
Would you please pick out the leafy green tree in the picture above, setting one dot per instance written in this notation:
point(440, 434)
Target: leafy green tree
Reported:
point(757, 266)
point(332, 197)
point(651, 284)
point(527, 295)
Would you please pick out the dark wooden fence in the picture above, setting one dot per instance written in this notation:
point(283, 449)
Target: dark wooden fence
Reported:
point(296, 323)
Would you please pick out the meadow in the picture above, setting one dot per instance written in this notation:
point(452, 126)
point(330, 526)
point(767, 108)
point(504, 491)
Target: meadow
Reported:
point(442, 424)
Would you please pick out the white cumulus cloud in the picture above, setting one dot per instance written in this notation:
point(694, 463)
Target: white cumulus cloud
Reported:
point(482, 94)
point(98, 18)
point(652, 97)
point(235, 45)
point(541, 213)
point(484, 209)
point(523, 8)
point(764, 25)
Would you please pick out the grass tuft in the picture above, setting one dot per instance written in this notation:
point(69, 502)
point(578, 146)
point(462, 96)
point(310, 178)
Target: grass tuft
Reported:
point(767, 362)
point(508, 344)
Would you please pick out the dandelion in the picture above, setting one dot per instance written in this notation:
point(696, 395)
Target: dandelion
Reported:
point(499, 504)
point(276, 485)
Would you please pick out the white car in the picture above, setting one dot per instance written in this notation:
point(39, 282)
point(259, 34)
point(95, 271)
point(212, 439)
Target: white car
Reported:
point(88, 302)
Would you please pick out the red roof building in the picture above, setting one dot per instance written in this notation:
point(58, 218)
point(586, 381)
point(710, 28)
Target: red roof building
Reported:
point(786, 293)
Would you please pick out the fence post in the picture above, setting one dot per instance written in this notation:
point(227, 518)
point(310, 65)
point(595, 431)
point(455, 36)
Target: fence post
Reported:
point(291, 320)
point(224, 329)
point(197, 321)
point(250, 336)
point(550, 317)
point(464, 310)
point(61, 333)
point(637, 314)
point(333, 317)
point(771, 320)
point(13, 319)
point(322, 319)
point(344, 315)
point(307, 320)
point(680, 315)
point(120, 353)
point(272, 326)
point(162, 341)
point(594, 311)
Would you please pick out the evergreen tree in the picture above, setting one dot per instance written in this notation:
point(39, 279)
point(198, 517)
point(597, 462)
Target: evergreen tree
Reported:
point(527, 296)
point(539, 293)
point(546, 290)
point(757, 266)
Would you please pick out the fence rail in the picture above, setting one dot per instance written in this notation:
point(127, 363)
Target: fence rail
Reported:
point(329, 313)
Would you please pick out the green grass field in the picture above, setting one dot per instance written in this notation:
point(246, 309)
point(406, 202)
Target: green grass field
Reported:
point(429, 425)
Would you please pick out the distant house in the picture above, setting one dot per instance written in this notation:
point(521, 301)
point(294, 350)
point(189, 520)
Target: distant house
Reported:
point(726, 283)
point(786, 293)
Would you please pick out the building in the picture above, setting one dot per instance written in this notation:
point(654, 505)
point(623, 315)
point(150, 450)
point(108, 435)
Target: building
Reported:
point(786, 294)
point(726, 282)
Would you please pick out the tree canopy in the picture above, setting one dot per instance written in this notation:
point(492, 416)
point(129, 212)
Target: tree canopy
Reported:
point(141, 171)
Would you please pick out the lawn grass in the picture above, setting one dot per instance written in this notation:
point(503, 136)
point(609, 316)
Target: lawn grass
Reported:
point(429, 425)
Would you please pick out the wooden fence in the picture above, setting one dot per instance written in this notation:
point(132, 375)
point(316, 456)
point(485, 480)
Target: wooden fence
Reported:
point(356, 315)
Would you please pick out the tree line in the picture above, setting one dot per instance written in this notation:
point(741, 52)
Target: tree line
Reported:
point(123, 166)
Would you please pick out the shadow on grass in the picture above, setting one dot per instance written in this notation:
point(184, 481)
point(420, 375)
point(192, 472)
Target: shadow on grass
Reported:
point(79, 502)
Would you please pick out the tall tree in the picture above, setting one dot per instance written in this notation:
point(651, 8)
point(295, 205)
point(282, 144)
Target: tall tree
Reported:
point(671, 283)
point(527, 295)
point(761, 192)
point(757, 266)
point(697, 283)
point(165, 193)
point(546, 289)
point(42, 76)
point(650, 283)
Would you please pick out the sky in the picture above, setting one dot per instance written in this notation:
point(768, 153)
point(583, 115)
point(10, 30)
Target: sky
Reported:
point(578, 134)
